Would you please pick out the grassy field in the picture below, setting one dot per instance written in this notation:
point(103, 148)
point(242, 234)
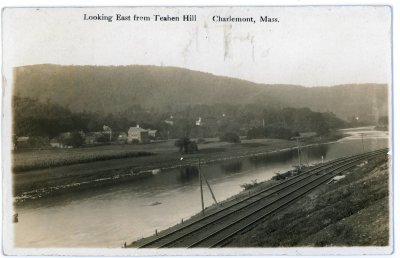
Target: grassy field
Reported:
point(26, 160)
point(166, 155)
point(46, 159)
point(36, 159)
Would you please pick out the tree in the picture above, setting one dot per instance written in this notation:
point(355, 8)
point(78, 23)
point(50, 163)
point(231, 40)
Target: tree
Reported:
point(75, 140)
point(186, 146)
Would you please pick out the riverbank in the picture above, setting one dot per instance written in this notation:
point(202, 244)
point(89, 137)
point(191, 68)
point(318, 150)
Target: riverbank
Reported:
point(350, 211)
point(353, 211)
point(49, 181)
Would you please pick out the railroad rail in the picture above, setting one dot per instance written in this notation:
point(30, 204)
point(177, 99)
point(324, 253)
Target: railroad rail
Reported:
point(215, 228)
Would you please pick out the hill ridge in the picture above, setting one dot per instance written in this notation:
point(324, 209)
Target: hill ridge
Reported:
point(112, 89)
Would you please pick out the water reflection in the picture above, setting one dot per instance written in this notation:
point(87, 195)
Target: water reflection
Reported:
point(232, 167)
point(187, 174)
point(272, 158)
point(317, 151)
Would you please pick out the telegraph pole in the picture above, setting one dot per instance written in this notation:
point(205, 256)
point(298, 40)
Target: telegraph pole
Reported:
point(201, 188)
point(362, 141)
point(298, 152)
point(201, 177)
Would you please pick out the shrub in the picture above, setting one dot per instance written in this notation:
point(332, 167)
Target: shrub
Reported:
point(201, 140)
point(135, 141)
point(230, 137)
point(248, 186)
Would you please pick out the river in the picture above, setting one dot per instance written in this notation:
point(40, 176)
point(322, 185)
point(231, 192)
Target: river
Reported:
point(112, 215)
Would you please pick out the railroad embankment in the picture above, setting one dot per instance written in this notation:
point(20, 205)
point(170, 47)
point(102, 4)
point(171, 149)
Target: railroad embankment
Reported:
point(338, 203)
point(353, 211)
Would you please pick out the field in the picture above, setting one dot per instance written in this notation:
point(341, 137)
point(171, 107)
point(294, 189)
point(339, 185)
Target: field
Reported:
point(37, 159)
point(43, 172)
point(25, 161)
point(166, 155)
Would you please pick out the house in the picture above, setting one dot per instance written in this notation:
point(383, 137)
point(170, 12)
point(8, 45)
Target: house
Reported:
point(170, 120)
point(22, 142)
point(29, 142)
point(153, 134)
point(199, 122)
point(137, 134)
point(56, 143)
point(107, 131)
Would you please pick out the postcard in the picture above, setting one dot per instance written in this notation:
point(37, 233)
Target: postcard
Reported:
point(197, 130)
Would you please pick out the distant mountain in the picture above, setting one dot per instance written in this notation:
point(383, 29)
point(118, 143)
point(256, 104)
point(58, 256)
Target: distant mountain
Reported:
point(111, 89)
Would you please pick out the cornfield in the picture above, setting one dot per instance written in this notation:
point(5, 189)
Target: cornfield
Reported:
point(25, 161)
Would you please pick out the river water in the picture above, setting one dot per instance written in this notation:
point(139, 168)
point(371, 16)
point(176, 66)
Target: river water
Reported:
point(112, 215)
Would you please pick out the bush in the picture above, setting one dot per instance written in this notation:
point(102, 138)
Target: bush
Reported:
point(201, 140)
point(135, 141)
point(38, 142)
point(230, 137)
point(75, 140)
point(248, 186)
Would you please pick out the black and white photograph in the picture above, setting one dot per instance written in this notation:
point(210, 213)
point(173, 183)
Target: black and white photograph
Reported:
point(197, 130)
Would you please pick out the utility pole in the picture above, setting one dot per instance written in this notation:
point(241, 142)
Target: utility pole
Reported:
point(298, 152)
point(362, 141)
point(201, 177)
point(201, 188)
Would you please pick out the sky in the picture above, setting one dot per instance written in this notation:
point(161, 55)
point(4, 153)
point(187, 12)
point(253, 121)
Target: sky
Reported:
point(309, 46)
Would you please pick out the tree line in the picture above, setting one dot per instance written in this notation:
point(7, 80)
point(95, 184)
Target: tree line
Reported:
point(34, 118)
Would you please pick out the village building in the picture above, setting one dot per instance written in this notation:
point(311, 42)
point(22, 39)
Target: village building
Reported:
point(137, 134)
point(199, 122)
point(108, 131)
point(30, 142)
point(153, 134)
point(22, 142)
point(169, 122)
point(56, 143)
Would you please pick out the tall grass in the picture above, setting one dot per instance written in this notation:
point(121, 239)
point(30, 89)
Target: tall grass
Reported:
point(35, 160)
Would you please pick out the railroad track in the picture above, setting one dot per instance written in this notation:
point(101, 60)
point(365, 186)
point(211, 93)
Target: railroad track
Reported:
point(216, 228)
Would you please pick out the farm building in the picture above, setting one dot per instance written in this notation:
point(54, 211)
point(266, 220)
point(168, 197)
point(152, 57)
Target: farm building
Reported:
point(22, 142)
point(56, 143)
point(107, 131)
point(28, 142)
point(137, 134)
point(153, 134)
